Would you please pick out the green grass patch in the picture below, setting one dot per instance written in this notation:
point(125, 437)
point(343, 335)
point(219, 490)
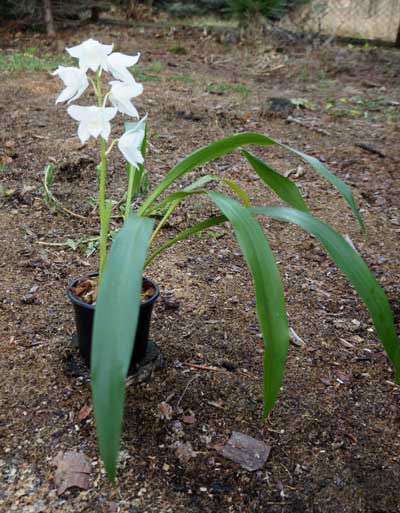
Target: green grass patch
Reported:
point(155, 67)
point(31, 60)
point(178, 50)
point(141, 75)
point(186, 79)
point(228, 88)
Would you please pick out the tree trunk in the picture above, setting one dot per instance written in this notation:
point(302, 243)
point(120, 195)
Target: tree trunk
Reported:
point(397, 42)
point(48, 18)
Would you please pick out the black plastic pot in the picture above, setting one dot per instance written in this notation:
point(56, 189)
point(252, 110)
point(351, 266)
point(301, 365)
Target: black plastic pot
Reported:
point(84, 315)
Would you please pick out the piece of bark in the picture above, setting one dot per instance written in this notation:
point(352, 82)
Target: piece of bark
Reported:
point(249, 453)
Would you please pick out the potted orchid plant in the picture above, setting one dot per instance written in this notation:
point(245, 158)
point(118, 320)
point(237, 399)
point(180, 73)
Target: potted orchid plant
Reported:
point(95, 121)
point(118, 299)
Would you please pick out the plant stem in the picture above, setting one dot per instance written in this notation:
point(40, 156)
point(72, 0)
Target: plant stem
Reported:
point(104, 216)
point(134, 180)
point(163, 220)
point(129, 192)
point(102, 210)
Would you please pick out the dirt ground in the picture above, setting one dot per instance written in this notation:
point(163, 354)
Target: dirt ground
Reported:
point(334, 433)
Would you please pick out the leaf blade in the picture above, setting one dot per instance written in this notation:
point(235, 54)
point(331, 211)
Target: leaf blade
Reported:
point(270, 302)
point(201, 156)
point(223, 146)
point(282, 186)
point(116, 316)
point(343, 188)
point(356, 271)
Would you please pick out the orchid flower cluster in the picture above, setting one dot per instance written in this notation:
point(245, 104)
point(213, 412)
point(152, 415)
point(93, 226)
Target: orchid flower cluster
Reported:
point(95, 120)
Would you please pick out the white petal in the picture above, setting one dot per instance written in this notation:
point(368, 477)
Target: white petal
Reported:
point(117, 64)
point(128, 89)
point(109, 113)
point(83, 133)
point(58, 70)
point(130, 144)
point(79, 93)
point(65, 94)
point(77, 112)
point(105, 131)
point(120, 60)
point(128, 109)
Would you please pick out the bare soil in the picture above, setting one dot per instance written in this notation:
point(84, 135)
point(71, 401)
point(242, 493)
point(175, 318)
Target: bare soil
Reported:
point(334, 433)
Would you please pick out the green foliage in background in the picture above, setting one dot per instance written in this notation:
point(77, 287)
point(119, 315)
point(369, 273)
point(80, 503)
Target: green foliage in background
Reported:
point(267, 8)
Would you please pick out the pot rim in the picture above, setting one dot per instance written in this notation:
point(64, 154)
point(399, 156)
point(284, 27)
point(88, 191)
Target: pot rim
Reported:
point(76, 300)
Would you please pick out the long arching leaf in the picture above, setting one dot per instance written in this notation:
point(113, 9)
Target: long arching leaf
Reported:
point(270, 302)
point(115, 323)
point(222, 147)
point(201, 156)
point(355, 269)
point(282, 186)
point(343, 188)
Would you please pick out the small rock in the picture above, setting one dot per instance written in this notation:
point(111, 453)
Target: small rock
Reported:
point(277, 107)
point(30, 297)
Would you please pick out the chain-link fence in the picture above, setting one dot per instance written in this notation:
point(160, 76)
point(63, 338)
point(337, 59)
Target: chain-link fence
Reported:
point(364, 19)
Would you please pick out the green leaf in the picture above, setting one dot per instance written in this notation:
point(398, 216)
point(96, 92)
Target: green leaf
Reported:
point(334, 180)
point(281, 185)
point(268, 290)
point(235, 187)
point(70, 243)
point(114, 329)
point(356, 271)
point(199, 227)
point(222, 147)
point(201, 156)
point(176, 197)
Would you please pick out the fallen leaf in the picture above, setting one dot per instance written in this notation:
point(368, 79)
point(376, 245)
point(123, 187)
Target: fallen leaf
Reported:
point(73, 469)
point(84, 412)
point(165, 410)
point(183, 451)
point(249, 453)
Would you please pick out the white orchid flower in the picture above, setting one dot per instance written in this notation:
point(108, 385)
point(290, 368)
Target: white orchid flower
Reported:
point(75, 81)
point(130, 145)
point(91, 54)
point(121, 93)
point(93, 121)
point(117, 64)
